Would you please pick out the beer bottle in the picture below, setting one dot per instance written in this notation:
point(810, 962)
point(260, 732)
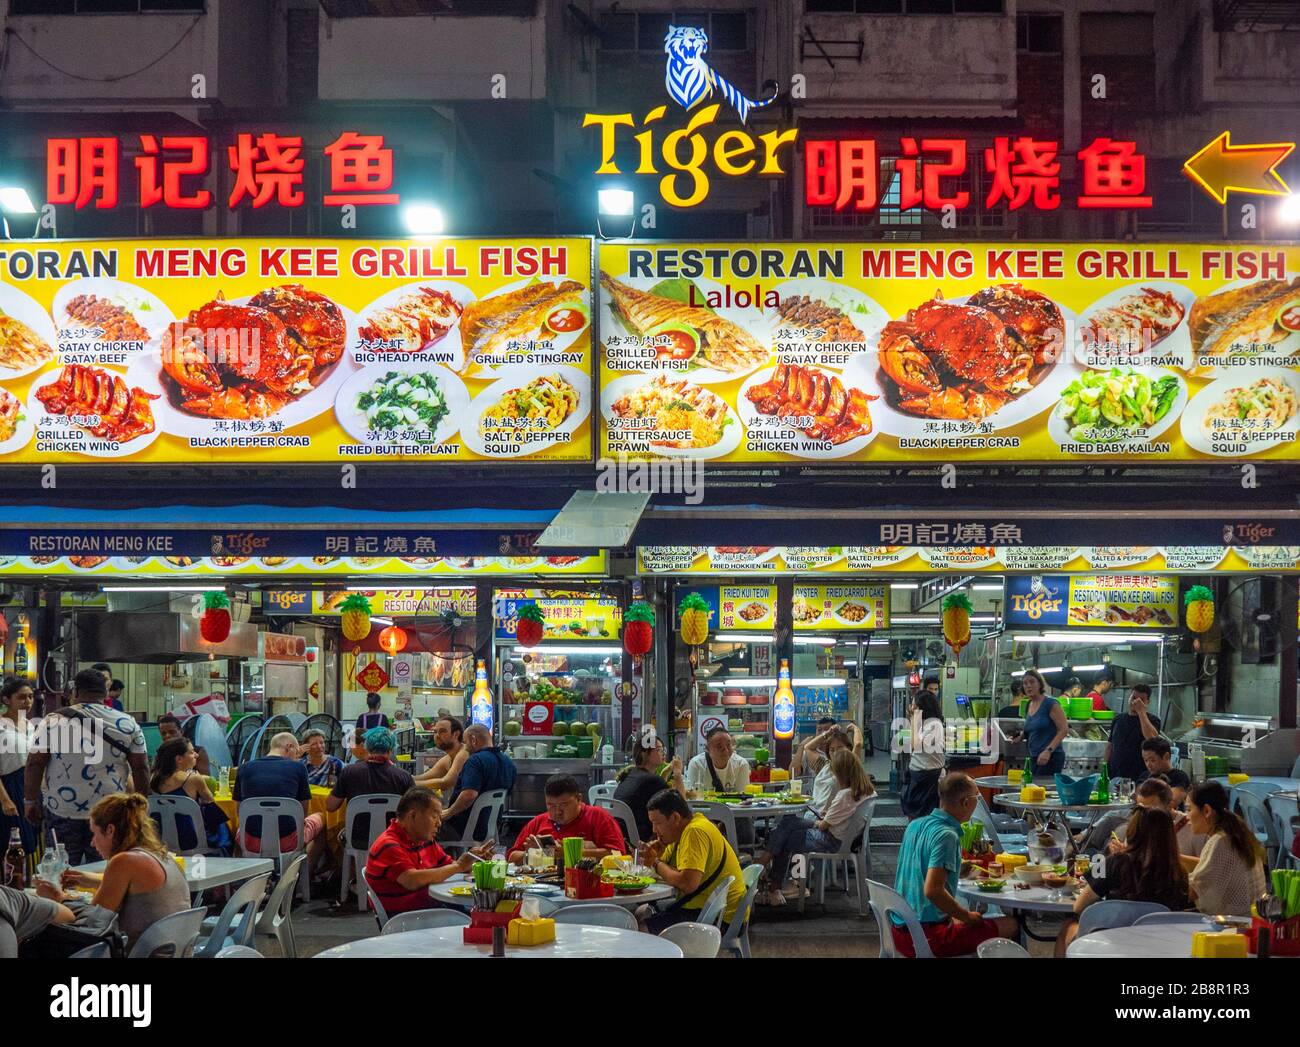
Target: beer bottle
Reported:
point(1028, 778)
point(15, 863)
point(1103, 784)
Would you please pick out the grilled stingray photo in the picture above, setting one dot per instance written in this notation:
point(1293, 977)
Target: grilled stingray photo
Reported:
point(1245, 315)
point(489, 324)
point(724, 345)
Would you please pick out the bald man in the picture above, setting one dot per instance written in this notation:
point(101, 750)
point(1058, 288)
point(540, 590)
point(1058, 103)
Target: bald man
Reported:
point(486, 768)
point(279, 773)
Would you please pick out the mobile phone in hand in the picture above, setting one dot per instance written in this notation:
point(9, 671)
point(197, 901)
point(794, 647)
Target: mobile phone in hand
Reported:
point(546, 841)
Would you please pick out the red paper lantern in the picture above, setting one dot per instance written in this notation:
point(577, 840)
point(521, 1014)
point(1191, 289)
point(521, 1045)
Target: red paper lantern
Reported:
point(393, 639)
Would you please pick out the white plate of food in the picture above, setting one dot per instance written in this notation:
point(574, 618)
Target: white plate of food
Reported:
point(1263, 312)
point(424, 316)
point(838, 413)
point(1244, 413)
point(123, 312)
point(689, 420)
point(1137, 326)
point(409, 396)
point(1137, 405)
point(851, 611)
point(551, 402)
point(127, 412)
point(695, 342)
point(27, 335)
point(16, 425)
point(1011, 377)
point(820, 314)
point(212, 387)
point(554, 311)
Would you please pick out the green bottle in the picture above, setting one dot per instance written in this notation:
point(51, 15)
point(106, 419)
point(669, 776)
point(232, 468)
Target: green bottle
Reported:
point(1029, 772)
point(1103, 785)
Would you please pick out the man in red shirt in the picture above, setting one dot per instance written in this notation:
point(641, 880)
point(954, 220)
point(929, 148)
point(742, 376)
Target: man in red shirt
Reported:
point(1098, 693)
point(404, 861)
point(566, 815)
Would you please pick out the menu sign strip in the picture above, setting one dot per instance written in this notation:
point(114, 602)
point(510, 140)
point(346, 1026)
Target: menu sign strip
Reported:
point(808, 353)
point(333, 350)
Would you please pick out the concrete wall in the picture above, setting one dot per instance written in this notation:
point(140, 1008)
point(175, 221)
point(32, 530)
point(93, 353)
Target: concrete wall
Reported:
point(431, 58)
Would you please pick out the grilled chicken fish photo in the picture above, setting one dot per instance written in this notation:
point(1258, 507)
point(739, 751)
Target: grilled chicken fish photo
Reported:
point(724, 345)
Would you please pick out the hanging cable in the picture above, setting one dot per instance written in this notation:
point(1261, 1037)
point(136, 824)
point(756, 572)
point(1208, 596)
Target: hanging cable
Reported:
point(101, 79)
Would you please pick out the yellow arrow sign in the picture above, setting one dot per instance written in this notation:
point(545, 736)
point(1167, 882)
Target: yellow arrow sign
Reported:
point(1222, 167)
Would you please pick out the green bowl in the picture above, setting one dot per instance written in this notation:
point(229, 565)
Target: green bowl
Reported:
point(991, 886)
point(1108, 714)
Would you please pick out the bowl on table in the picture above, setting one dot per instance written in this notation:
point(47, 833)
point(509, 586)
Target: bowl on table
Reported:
point(1031, 874)
point(990, 886)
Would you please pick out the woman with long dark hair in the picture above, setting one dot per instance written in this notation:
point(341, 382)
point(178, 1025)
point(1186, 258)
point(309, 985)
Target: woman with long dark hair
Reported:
point(1229, 874)
point(174, 775)
point(925, 766)
point(1147, 868)
point(16, 733)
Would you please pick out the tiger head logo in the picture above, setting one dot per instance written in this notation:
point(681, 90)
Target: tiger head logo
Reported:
point(690, 79)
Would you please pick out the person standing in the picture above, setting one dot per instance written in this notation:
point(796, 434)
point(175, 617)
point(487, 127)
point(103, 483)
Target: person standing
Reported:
point(115, 691)
point(1045, 725)
point(15, 740)
point(1127, 733)
point(80, 755)
point(372, 717)
point(925, 765)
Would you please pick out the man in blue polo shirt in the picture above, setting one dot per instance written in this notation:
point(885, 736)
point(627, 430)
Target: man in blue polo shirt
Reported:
point(486, 769)
point(928, 865)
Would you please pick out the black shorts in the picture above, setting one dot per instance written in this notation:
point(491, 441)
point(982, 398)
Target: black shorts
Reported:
point(669, 917)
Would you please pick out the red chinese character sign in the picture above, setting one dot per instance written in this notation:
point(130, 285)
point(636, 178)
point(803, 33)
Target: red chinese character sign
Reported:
point(373, 677)
point(1023, 172)
point(267, 168)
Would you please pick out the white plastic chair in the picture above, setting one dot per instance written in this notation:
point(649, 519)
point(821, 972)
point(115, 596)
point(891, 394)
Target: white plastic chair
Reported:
point(622, 814)
point(1103, 915)
point(381, 914)
point(1258, 819)
point(1001, 844)
point(721, 816)
point(268, 810)
point(1170, 917)
point(243, 906)
point(603, 791)
point(239, 952)
point(1001, 949)
point(173, 936)
point(885, 901)
point(98, 951)
point(597, 914)
point(168, 811)
point(377, 808)
point(276, 920)
point(697, 941)
point(857, 830)
point(735, 937)
point(493, 802)
point(713, 908)
point(425, 919)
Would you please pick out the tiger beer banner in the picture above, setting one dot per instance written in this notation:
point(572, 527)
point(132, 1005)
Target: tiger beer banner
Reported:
point(256, 351)
point(806, 353)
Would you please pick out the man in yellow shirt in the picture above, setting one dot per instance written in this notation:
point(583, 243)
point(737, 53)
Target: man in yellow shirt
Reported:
point(690, 854)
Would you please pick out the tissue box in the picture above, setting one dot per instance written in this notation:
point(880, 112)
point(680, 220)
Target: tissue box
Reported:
point(1218, 945)
point(1032, 794)
point(530, 932)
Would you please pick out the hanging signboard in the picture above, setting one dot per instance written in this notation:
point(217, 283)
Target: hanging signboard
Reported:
point(840, 607)
point(814, 353)
point(1130, 601)
point(572, 616)
point(237, 351)
point(746, 607)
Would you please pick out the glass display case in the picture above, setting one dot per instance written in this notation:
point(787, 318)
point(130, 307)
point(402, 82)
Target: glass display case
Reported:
point(581, 687)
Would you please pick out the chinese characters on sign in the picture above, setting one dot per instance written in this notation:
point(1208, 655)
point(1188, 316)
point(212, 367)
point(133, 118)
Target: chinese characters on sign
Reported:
point(267, 168)
point(845, 172)
point(949, 534)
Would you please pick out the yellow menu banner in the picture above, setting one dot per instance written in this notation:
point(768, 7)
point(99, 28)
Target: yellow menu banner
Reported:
point(746, 607)
point(575, 616)
point(806, 353)
point(1016, 559)
point(840, 607)
point(181, 567)
point(1134, 601)
point(328, 350)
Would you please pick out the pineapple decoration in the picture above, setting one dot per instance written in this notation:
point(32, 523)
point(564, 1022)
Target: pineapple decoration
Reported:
point(956, 621)
point(694, 613)
point(1200, 608)
point(530, 626)
point(214, 622)
point(638, 629)
point(355, 617)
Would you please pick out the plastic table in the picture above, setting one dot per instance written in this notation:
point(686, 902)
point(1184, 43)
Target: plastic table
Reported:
point(1160, 941)
point(1030, 899)
point(1090, 812)
point(572, 941)
point(442, 892)
point(203, 872)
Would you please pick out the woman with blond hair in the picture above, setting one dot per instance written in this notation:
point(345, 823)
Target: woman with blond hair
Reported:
point(140, 883)
point(789, 838)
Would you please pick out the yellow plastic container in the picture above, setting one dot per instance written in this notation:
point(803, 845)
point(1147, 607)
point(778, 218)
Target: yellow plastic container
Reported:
point(780, 774)
point(1219, 945)
point(1032, 794)
point(754, 790)
point(1237, 779)
point(1011, 861)
point(530, 932)
point(1016, 775)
